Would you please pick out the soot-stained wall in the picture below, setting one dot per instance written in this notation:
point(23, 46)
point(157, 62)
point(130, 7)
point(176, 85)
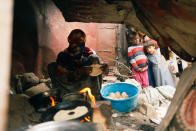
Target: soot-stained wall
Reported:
point(41, 31)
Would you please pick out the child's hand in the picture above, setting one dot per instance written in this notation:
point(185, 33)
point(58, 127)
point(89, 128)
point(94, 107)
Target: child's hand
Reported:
point(145, 68)
point(139, 69)
point(172, 68)
point(142, 69)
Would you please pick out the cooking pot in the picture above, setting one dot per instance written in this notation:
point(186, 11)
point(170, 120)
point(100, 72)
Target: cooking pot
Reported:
point(41, 101)
point(66, 105)
point(60, 126)
point(73, 97)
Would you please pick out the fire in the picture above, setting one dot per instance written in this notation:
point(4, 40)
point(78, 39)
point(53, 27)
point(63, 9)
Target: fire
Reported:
point(87, 119)
point(93, 101)
point(53, 102)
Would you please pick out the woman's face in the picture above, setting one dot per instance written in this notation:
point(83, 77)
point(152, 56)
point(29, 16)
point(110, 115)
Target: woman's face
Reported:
point(74, 49)
point(151, 50)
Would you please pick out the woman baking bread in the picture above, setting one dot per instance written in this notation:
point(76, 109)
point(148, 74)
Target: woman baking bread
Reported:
point(73, 69)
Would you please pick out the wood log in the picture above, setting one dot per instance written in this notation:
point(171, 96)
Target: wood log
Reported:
point(186, 80)
point(102, 114)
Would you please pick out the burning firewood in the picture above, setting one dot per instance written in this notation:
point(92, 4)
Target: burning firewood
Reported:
point(102, 114)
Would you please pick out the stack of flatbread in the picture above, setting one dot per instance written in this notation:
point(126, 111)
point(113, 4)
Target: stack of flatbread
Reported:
point(62, 115)
point(96, 70)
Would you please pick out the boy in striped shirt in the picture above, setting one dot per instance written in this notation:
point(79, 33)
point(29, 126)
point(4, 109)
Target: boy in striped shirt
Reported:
point(138, 60)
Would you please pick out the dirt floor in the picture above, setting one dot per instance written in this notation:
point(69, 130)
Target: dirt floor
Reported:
point(131, 121)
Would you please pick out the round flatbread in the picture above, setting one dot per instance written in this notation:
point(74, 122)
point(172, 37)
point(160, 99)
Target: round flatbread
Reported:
point(96, 70)
point(70, 114)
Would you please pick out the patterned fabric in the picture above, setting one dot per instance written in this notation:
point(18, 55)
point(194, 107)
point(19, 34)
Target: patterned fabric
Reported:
point(88, 51)
point(136, 56)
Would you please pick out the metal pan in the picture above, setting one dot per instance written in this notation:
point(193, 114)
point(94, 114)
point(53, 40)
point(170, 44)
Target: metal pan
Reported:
point(42, 100)
point(60, 126)
point(66, 105)
point(73, 96)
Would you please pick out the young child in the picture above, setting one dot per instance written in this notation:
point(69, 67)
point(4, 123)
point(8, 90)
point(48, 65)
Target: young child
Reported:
point(138, 60)
point(160, 69)
point(172, 63)
point(143, 39)
point(150, 71)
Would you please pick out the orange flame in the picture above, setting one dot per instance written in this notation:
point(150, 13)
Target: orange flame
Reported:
point(93, 101)
point(86, 119)
point(53, 103)
point(82, 120)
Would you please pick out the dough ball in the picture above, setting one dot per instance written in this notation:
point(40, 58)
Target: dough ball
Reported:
point(112, 95)
point(124, 95)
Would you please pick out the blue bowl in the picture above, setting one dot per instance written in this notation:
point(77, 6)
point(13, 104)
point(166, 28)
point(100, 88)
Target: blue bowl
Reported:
point(122, 105)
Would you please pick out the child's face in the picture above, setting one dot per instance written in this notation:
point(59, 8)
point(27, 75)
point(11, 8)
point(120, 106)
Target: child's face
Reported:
point(136, 40)
point(151, 50)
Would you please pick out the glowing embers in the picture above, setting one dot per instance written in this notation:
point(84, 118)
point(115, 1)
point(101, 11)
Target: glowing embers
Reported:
point(86, 119)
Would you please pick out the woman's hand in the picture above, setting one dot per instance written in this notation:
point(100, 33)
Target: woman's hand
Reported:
point(85, 70)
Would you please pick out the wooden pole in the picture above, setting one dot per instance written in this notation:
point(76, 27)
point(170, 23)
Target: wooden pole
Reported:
point(186, 80)
point(6, 17)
